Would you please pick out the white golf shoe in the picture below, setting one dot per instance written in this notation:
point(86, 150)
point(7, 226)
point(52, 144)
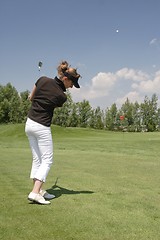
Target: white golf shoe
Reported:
point(46, 195)
point(38, 198)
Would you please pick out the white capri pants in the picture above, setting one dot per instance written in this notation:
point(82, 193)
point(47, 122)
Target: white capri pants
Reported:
point(40, 139)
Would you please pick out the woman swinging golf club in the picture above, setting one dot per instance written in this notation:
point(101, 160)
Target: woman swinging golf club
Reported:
point(47, 94)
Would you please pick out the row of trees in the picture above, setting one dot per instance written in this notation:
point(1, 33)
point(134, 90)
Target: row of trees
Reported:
point(130, 117)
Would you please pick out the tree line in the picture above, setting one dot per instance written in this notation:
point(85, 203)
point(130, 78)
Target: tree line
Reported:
point(133, 117)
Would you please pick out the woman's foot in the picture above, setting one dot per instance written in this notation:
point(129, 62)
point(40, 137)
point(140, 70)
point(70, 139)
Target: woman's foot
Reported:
point(38, 198)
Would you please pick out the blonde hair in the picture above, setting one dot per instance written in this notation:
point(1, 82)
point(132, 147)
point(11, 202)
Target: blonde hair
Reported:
point(65, 67)
point(62, 67)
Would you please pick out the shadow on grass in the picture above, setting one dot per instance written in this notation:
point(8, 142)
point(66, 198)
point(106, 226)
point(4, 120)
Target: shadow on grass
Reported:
point(58, 191)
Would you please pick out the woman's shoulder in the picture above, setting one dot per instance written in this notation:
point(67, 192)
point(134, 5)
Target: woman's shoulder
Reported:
point(44, 79)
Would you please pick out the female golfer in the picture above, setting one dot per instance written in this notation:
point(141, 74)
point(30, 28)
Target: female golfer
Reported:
point(47, 94)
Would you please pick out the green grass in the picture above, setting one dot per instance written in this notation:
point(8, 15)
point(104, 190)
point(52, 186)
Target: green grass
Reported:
point(107, 189)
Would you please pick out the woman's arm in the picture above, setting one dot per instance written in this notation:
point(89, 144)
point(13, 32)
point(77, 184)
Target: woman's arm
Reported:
point(31, 95)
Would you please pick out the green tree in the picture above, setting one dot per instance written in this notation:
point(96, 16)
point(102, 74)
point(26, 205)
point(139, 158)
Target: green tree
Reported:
point(84, 113)
point(9, 104)
point(98, 118)
point(127, 109)
point(92, 120)
point(137, 117)
point(149, 113)
point(111, 121)
point(24, 105)
point(74, 117)
point(61, 115)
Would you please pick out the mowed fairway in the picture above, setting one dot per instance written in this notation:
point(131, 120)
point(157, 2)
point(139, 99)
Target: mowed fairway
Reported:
point(108, 186)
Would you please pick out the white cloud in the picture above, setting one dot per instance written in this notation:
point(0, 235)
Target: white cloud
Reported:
point(101, 84)
point(134, 86)
point(132, 74)
point(103, 80)
point(132, 96)
point(153, 41)
point(151, 85)
point(109, 88)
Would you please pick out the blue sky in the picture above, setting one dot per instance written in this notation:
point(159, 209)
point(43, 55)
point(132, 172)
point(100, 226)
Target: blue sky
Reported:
point(114, 64)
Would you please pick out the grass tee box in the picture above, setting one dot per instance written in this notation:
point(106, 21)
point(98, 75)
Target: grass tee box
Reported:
point(106, 186)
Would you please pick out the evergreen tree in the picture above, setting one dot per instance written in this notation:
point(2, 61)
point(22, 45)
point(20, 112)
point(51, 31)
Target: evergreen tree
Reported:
point(149, 113)
point(99, 118)
point(61, 115)
point(74, 117)
point(127, 109)
point(137, 118)
point(111, 121)
point(84, 112)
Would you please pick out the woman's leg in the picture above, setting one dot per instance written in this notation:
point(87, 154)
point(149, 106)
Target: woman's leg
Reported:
point(37, 185)
point(40, 139)
point(45, 146)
